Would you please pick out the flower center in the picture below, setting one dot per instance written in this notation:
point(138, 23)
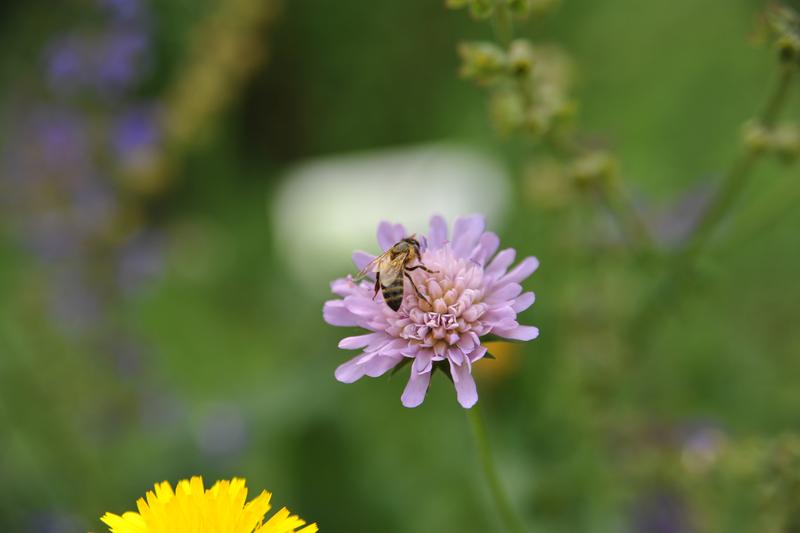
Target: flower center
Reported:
point(454, 304)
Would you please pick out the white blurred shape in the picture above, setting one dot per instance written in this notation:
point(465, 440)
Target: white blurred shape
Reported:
point(328, 207)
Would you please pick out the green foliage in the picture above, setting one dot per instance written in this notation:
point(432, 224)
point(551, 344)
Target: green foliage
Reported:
point(594, 416)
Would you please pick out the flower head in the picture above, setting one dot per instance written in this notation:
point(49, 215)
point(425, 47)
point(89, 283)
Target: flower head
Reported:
point(194, 509)
point(468, 294)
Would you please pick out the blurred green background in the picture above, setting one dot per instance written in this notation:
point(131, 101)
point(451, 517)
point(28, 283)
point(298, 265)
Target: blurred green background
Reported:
point(152, 327)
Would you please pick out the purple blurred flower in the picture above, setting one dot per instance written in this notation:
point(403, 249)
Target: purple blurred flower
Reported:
point(470, 296)
point(109, 63)
point(661, 512)
point(66, 64)
point(121, 61)
point(74, 305)
point(123, 10)
point(135, 132)
point(140, 260)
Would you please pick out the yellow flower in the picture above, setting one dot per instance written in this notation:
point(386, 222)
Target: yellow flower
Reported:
point(193, 509)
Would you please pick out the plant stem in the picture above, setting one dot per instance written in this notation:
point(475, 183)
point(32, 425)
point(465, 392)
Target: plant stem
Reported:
point(736, 178)
point(511, 520)
point(731, 187)
point(628, 217)
point(503, 25)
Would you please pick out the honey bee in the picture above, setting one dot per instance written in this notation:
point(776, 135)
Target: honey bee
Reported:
point(392, 267)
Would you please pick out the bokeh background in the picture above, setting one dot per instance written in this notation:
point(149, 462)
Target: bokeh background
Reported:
point(180, 180)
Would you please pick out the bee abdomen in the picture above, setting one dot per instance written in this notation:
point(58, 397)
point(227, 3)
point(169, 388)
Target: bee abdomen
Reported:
point(393, 294)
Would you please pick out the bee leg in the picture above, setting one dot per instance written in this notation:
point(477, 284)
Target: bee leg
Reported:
point(419, 294)
point(377, 285)
point(423, 267)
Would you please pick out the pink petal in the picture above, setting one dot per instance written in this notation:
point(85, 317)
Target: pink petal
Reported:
point(455, 355)
point(381, 364)
point(437, 236)
point(478, 353)
point(520, 333)
point(523, 302)
point(422, 362)
point(499, 314)
point(336, 314)
point(526, 267)
point(360, 341)
point(487, 246)
point(504, 293)
point(389, 234)
point(466, 391)
point(500, 263)
point(362, 259)
point(366, 307)
point(343, 287)
point(350, 371)
point(466, 232)
point(415, 390)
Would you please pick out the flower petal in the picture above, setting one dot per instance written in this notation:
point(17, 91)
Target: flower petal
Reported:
point(524, 269)
point(519, 333)
point(350, 371)
point(415, 390)
point(389, 234)
point(336, 314)
point(486, 247)
point(381, 364)
point(478, 353)
point(523, 301)
point(466, 391)
point(504, 293)
point(423, 362)
point(437, 236)
point(500, 263)
point(360, 341)
point(466, 232)
point(361, 260)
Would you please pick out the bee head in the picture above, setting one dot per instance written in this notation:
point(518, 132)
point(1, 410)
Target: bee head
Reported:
point(412, 242)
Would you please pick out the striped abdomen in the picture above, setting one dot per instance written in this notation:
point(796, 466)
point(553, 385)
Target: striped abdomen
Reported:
point(393, 294)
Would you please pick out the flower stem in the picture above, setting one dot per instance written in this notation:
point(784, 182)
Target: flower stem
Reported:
point(736, 178)
point(732, 186)
point(503, 25)
point(511, 520)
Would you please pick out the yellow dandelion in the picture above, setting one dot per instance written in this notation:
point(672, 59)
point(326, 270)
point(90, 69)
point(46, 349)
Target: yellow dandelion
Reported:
point(191, 508)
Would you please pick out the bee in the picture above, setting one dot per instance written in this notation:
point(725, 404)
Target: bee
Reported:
point(392, 267)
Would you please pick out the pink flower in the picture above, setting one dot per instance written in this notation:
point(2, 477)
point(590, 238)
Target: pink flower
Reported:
point(471, 294)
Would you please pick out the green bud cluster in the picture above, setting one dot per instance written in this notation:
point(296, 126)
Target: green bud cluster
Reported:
point(483, 9)
point(528, 84)
point(552, 184)
point(483, 62)
point(782, 140)
point(785, 24)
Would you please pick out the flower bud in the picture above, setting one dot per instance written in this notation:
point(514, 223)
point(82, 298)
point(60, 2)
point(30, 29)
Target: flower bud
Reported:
point(481, 9)
point(521, 57)
point(593, 168)
point(756, 137)
point(547, 185)
point(786, 142)
point(482, 62)
point(456, 4)
point(785, 24)
point(507, 111)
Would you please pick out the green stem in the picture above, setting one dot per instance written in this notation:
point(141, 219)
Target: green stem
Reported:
point(733, 184)
point(503, 25)
point(736, 178)
point(511, 520)
point(628, 218)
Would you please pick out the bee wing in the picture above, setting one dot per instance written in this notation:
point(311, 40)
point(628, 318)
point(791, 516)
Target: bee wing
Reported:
point(372, 266)
point(392, 269)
